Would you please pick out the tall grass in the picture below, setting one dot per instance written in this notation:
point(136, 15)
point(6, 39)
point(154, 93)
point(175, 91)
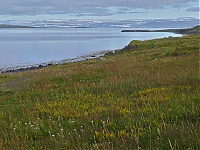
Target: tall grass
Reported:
point(138, 98)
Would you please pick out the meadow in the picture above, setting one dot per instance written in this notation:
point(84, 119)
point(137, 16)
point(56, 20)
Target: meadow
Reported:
point(145, 96)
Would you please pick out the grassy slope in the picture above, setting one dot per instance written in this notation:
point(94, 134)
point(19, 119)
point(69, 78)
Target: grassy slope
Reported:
point(143, 97)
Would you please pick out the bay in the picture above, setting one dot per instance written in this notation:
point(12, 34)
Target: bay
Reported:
point(31, 46)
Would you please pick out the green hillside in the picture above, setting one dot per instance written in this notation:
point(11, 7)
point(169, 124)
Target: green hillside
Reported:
point(145, 96)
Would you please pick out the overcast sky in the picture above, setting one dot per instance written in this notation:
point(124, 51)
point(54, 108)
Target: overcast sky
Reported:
point(97, 9)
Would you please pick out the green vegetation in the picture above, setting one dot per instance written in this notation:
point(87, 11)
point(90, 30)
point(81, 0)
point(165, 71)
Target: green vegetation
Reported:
point(194, 30)
point(145, 96)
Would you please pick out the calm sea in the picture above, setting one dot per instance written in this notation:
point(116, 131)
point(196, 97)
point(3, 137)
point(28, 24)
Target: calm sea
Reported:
point(22, 47)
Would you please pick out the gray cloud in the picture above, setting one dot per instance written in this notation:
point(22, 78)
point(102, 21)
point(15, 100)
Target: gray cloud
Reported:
point(83, 7)
point(193, 9)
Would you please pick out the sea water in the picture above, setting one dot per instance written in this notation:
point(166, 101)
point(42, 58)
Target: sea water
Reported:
point(30, 46)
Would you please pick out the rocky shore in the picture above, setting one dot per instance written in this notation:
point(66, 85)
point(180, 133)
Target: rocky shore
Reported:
point(98, 55)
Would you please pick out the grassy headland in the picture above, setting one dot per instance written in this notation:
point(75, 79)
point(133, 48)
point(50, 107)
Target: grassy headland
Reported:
point(145, 96)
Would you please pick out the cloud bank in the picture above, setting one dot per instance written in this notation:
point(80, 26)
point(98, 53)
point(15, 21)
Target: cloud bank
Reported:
point(86, 7)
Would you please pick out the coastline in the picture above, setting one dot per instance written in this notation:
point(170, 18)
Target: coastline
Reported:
point(98, 55)
point(38, 65)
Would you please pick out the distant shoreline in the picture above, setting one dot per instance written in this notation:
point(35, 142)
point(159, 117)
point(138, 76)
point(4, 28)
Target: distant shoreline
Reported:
point(14, 26)
point(194, 30)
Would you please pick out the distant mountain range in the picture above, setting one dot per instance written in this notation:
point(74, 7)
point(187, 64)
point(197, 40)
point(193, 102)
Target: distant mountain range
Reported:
point(186, 22)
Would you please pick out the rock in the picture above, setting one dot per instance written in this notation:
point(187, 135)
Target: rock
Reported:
point(130, 47)
point(109, 53)
point(101, 58)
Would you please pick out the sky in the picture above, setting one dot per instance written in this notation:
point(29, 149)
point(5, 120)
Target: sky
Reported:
point(97, 9)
